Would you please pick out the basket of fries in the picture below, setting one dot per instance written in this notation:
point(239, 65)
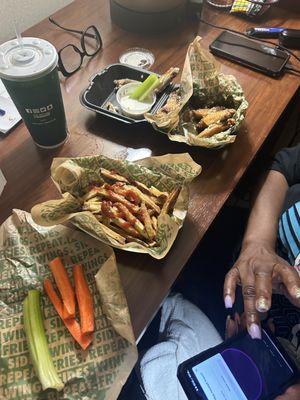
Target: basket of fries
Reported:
point(135, 206)
point(208, 107)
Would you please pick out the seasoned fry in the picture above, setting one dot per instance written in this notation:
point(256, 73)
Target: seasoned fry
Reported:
point(92, 206)
point(127, 193)
point(132, 219)
point(170, 202)
point(128, 210)
point(120, 222)
point(144, 197)
point(158, 193)
point(154, 222)
point(147, 221)
point(91, 194)
point(146, 244)
point(113, 175)
point(133, 239)
point(110, 231)
point(111, 195)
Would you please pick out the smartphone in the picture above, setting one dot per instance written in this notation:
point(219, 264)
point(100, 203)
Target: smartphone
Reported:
point(240, 368)
point(250, 53)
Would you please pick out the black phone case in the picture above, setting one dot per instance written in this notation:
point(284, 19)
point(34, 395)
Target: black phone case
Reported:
point(246, 63)
point(183, 367)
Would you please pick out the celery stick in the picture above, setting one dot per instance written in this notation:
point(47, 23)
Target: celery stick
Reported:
point(37, 343)
point(150, 90)
point(144, 87)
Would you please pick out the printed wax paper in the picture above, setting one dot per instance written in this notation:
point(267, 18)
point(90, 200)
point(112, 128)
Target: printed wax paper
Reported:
point(202, 85)
point(96, 373)
point(73, 176)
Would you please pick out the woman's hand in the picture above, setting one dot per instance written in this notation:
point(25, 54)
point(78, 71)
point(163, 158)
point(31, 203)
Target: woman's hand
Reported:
point(292, 393)
point(258, 270)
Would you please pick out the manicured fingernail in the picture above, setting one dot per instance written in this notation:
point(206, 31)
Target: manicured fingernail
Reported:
point(297, 292)
point(255, 331)
point(262, 304)
point(228, 301)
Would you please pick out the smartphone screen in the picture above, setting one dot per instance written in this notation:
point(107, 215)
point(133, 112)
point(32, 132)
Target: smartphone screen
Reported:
point(246, 370)
point(246, 51)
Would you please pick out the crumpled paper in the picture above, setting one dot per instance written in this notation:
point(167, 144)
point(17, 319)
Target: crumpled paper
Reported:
point(73, 175)
point(202, 84)
point(96, 373)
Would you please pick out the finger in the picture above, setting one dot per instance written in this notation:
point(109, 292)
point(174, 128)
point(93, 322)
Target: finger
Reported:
point(231, 328)
point(271, 325)
point(290, 279)
point(252, 318)
point(243, 323)
point(230, 283)
point(263, 291)
point(284, 292)
point(237, 318)
point(292, 393)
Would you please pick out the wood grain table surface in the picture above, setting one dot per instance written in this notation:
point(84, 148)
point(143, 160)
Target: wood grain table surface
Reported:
point(27, 168)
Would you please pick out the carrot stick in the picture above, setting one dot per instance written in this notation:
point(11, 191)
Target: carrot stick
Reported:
point(84, 300)
point(71, 323)
point(64, 286)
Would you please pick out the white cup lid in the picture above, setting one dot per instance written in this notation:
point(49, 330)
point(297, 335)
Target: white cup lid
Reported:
point(30, 59)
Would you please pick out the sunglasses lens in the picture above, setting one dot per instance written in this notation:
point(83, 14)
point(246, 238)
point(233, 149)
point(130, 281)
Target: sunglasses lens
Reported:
point(70, 59)
point(91, 41)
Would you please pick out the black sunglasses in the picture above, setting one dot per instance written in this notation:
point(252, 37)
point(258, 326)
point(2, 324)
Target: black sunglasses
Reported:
point(70, 57)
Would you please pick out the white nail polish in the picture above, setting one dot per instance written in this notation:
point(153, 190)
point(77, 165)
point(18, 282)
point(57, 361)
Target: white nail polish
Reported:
point(255, 331)
point(228, 301)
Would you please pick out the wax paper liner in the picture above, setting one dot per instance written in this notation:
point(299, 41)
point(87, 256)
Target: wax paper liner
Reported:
point(204, 86)
point(96, 373)
point(73, 175)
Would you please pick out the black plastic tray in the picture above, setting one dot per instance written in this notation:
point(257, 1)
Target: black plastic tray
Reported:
point(102, 90)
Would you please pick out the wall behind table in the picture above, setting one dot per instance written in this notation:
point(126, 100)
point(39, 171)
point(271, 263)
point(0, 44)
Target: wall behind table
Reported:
point(26, 12)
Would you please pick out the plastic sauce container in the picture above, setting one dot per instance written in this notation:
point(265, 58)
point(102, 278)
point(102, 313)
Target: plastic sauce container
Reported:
point(134, 108)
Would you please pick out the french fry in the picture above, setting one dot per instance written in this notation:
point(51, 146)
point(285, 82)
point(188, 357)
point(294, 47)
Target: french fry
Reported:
point(147, 221)
point(110, 231)
point(113, 175)
point(158, 193)
point(92, 206)
point(111, 195)
point(91, 194)
point(133, 239)
point(132, 219)
point(145, 198)
point(127, 192)
point(152, 191)
point(121, 223)
point(128, 210)
point(154, 222)
point(170, 202)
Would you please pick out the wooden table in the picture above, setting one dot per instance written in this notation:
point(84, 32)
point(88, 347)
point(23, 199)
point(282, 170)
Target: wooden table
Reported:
point(26, 168)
